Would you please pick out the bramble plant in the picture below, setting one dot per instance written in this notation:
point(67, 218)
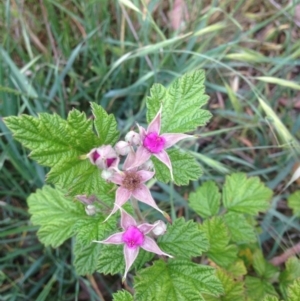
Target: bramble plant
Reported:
point(97, 180)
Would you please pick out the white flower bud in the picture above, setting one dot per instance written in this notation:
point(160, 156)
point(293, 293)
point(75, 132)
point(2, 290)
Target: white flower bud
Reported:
point(160, 228)
point(122, 148)
point(133, 138)
point(148, 165)
point(90, 210)
point(106, 174)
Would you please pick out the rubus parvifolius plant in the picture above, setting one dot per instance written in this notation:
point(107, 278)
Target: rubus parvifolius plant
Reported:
point(100, 181)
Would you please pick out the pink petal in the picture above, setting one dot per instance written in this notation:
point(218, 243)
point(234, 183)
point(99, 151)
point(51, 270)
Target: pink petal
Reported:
point(164, 158)
point(117, 178)
point(171, 139)
point(154, 125)
point(151, 246)
point(115, 239)
point(130, 159)
point(127, 220)
point(143, 194)
point(130, 255)
point(141, 156)
point(145, 175)
point(142, 132)
point(146, 228)
point(122, 196)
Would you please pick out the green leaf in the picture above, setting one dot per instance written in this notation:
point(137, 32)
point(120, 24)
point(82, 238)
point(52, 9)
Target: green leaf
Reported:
point(291, 272)
point(206, 200)
point(183, 239)
point(237, 269)
point(257, 288)
point(87, 252)
point(185, 168)
point(181, 103)
point(176, 280)
point(294, 202)
point(122, 296)
point(56, 215)
point(270, 298)
point(63, 145)
point(263, 268)
point(105, 125)
point(53, 139)
point(220, 251)
point(239, 228)
point(245, 195)
point(294, 291)
point(111, 259)
point(233, 290)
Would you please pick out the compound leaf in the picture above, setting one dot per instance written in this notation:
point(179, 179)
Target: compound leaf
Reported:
point(185, 168)
point(176, 280)
point(206, 200)
point(56, 215)
point(245, 195)
point(183, 239)
point(181, 103)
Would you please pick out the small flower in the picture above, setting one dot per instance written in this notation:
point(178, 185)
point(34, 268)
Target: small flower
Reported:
point(131, 184)
point(152, 143)
point(104, 157)
point(133, 237)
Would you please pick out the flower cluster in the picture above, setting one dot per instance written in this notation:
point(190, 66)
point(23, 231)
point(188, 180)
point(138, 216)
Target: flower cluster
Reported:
point(136, 170)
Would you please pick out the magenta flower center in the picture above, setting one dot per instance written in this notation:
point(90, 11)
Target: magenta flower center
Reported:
point(110, 161)
point(154, 143)
point(133, 237)
point(95, 156)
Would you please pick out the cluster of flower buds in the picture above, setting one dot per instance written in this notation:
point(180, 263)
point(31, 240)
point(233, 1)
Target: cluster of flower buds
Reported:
point(137, 169)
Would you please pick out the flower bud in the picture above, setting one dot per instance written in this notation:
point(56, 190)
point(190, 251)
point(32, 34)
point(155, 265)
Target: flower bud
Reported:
point(133, 138)
point(148, 165)
point(122, 148)
point(90, 210)
point(160, 228)
point(104, 157)
point(106, 174)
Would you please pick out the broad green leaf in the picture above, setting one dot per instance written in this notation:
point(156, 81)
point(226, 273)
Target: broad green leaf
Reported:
point(237, 269)
point(239, 228)
point(219, 251)
point(185, 168)
point(270, 298)
point(105, 125)
point(56, 215)
point(233, 290)
point(291, 272)
point(245, 195)
point(263, 268)
point(122, 296)
point(53, 139)
point(181, 103)
point(294, 202)
point(176, 280)
point(111, 259)
point(294, 291)
point(87, 252)
point(183, 239)
point(257, 288)
point(206, 200)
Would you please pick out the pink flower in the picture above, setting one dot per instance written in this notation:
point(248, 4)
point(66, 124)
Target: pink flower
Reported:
point(131, 184)
point(152, 143)
point(104, 157)
point(133, 237)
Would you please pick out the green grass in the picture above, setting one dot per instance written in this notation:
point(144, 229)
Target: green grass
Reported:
point(56, 55)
